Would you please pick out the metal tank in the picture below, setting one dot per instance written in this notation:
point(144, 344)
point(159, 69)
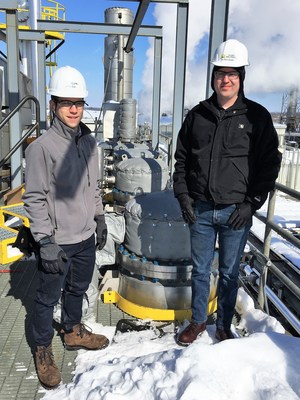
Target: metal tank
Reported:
point(155, 264)
point(118, 65)
point(112, 153)
point(134, 150)
point(139, 175)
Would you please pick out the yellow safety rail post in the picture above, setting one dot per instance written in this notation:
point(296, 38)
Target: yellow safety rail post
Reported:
point(56, 13)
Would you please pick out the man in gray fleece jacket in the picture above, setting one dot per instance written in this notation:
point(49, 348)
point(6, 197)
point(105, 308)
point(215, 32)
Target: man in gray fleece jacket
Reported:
point(65, 209)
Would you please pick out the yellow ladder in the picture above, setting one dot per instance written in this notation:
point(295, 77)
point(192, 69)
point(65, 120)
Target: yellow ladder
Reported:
point(8, 235)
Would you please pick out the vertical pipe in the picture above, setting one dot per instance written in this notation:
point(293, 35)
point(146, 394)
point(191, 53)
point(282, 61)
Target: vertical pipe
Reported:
point(34, 15)
point(297, 163)
point(268, 229)
point(121, 70)
point(13, 91)
point(262, 300)
point(41, 84)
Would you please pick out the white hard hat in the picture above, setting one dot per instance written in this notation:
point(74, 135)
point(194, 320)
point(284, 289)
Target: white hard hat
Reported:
point(231, 53)
point(67, 82)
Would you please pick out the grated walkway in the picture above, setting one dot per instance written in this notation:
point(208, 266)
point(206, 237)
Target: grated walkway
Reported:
point(18, 379)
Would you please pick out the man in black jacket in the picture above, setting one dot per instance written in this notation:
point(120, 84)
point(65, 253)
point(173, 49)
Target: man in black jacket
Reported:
point(227, 160)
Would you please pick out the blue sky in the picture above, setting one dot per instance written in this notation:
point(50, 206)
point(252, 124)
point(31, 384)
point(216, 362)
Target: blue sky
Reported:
point(85, 51)
point(270, 33)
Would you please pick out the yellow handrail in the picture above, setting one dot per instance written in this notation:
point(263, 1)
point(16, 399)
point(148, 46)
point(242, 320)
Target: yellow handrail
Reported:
point(57, 13)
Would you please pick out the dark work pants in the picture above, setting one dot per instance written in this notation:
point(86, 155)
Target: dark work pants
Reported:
point(71, 286)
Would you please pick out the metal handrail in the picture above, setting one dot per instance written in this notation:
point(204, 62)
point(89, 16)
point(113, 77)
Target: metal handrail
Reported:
point(270, 225)
point(33, 127)
point(57, 12)
point(263, 290)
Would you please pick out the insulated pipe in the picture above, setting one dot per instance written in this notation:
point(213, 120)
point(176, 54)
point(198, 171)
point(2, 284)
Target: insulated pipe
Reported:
point(253, 277)
point(121, 68)
point(34, 15)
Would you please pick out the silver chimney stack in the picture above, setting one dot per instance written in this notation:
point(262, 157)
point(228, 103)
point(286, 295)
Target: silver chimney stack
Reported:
point(118, 65)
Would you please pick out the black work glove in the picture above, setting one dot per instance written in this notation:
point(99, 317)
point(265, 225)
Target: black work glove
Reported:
point(241, 215)
point(186, 205)
point(101, 232)
point(52, 256)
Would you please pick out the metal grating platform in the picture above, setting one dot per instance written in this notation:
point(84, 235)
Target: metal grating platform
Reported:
point(109, 314)
point(15, 209)
point(18, 379)
point(6, 234)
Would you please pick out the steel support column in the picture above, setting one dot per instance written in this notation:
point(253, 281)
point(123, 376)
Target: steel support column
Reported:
point(179, 74)
point(156, 91)
point(41, 84)
point(39, 37)
point(217, 35)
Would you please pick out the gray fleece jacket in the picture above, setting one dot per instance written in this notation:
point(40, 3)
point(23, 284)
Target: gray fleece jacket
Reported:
point(62, 196)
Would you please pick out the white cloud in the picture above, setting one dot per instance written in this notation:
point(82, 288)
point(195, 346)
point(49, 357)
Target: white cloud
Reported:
point(271, 33)
point(269, 30)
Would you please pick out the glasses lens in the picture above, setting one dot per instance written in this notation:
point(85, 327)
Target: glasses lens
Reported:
point(69, 103)
point(79, 104)
point(231, 75)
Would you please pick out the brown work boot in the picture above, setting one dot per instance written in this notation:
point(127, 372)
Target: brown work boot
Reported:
point(190, 333)
point(47, 371)
point(81, 338)
point(224, 334)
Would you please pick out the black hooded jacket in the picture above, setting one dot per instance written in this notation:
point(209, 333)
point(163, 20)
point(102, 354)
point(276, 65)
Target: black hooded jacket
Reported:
point(227, 156)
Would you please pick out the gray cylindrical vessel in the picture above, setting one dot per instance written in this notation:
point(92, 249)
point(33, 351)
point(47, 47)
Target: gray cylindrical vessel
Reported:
point(118, 65)
point(127, 127)
point(139, 175)
point(155, 228)
point(155, 257)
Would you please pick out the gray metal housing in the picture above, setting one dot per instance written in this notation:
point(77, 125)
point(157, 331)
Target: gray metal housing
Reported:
point(155, 228)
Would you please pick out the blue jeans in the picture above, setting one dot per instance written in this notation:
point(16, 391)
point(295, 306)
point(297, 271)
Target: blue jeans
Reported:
point(212, 222)
point(71, 286)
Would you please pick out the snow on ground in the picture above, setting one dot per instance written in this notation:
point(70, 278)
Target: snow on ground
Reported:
point(141, 365)
point(264, 365)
